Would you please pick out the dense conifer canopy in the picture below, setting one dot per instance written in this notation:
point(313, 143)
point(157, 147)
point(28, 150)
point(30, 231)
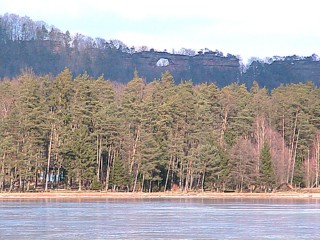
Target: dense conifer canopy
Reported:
point(86, 133)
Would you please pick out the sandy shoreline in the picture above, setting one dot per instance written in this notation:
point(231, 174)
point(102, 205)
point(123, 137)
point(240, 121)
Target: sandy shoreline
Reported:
point(168, 195)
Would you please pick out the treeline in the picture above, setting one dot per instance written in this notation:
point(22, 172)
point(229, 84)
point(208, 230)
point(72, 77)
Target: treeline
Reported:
point(85, 133)
point(25, 43)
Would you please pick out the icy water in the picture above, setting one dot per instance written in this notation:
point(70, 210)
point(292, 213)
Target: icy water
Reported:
point(160, 219)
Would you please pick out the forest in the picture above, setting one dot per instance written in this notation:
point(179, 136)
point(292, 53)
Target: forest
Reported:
point(65, 132)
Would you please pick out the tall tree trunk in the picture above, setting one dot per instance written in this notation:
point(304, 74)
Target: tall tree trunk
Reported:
point(241, 184)
point(11, 178)
point(21, 185)
point(283, 151)
point(136, 179)
point(80, 182)
point(3, 181)
point(316, 184)
point(49, 158)
point(191, 180)
point(292, 160)
point(174, 167)
point(294, 157)
point(36, 175)
point(142, 184)
point(203, 178)
point(188, 183)
point(260, 135)
point(58, 174)
point(168, 172)
point(28, 184)
point(181, 175)
point(134, 148)
point(150, 186)
point(223, 127)
point(99, 152)
point(308, 169)
point(109, 161)
point(98, 158)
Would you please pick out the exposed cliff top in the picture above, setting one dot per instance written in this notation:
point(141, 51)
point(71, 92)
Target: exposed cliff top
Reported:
point(46, 50)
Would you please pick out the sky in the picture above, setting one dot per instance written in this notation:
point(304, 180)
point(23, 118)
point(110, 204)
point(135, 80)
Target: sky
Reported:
point(247, 28)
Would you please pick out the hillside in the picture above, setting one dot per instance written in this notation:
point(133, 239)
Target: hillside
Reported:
point(28, 44)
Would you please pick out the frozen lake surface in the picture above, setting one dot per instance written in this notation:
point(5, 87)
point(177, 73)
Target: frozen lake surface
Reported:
point(160, 219)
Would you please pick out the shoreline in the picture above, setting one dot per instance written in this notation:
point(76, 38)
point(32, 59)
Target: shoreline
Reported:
point(91, 195)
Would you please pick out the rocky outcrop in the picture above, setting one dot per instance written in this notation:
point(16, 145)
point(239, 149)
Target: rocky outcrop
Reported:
point(284, 71)
point(206, 67)
point(51, 57)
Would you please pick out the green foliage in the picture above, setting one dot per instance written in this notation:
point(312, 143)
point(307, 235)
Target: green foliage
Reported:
point(119, 175)
point(213, 166)
point(266, 169)
point(91, 133)
point(96, 185)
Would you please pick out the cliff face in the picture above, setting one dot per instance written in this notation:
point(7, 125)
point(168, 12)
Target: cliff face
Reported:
point(283, 71)
point(206, 67)
point(217, 69)
point(304, 70)
point(46, 57)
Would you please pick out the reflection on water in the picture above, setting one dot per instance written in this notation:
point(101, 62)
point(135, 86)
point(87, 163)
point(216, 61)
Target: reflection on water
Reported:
point(161, 219)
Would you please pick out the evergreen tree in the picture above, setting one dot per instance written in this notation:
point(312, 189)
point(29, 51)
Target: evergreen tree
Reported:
point(186, 134)
point(8, 131)
point(160, 108)
point(61, 100)
point(267, 177)
point(132, 111)
point(107, 127)
point(81, 157)
point(32, 130)
point(83, 145)
point(153, 136)
point(120, 179)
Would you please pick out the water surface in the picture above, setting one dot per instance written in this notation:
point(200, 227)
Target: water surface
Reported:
point(160, 219)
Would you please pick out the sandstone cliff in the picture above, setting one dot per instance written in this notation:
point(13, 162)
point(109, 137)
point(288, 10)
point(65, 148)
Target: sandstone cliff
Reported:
point(51, 57)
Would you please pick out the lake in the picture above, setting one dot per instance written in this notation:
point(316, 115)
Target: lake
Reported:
point(160, 219)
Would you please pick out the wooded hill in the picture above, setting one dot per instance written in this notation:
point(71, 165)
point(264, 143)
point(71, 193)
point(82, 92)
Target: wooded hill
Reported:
point(25, 43)
point(85, 133)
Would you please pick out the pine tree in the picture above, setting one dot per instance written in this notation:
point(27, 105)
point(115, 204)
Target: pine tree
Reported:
point(119, 178)
point(208, 111)
point(186, 136)
point(107, 127)
point(132, 111)
point(32, 129)
point(7, 133)
point(61, 100)
point(161, 106)
point(150, 159)
point(267, 177)
point(83, 145)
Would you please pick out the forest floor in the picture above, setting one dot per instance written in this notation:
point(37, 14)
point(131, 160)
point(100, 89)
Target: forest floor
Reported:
point(91, 195)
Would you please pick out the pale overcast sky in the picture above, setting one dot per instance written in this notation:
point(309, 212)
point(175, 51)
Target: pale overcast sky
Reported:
point(249, 28)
